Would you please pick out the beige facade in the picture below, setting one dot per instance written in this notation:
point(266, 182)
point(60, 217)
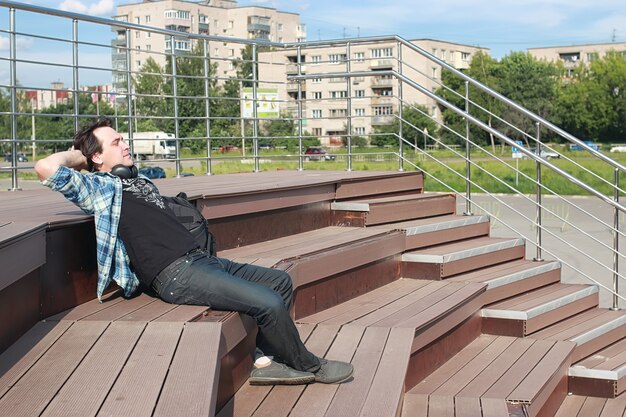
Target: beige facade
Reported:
point(212, 17)
point(366, 101)
point(572, 56)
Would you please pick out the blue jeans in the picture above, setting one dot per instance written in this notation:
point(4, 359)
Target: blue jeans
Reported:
point(265, 294)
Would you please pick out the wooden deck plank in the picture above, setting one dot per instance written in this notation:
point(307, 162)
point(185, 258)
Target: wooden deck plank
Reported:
point(571, 406)
point(90, 307)
point(34, 391)
point(452, 366)
point(182, 313)
point(119, 310)
point(19, 357)
point(516, 373)
point(553, 332)
point(146, 369)
point(83, 393)
point(316, 398)
point(350, 396)
point(549, 365)
point(592, 407)
point(496, 369)
point(419, 297)
point(574, 331)
point(387, 390)
point(440, 406)
point(245, 401)
point(467, 407)
point(615, 407)
point(415, 406)
point(494, 407)
point(149, 312)
point(193, 377)
point(474, 367)
point(532, 298)
point(363, 304)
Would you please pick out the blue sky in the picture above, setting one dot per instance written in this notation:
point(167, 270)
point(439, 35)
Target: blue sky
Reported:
point(503, 26)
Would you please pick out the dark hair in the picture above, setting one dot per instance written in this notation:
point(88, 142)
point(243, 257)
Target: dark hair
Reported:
point(87, 142)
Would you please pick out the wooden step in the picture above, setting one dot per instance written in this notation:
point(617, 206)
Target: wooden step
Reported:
point(592, 330)
point(513, 278)
point(430, 308)
point(527, 313)
point(329, 265)
point(372, 211)
point(516, 372)
point(602, 374)
point(432, 231)
point(379, 356)
point(578, 405)
point(447, 260)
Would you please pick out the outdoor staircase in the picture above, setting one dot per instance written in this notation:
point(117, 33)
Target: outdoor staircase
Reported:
point(438, 318)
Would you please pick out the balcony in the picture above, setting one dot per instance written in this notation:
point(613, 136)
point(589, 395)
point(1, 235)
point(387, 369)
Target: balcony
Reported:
point(292, 69)
point(381, 63)
point(382, 101)
point(293, 87)
point(380, 82)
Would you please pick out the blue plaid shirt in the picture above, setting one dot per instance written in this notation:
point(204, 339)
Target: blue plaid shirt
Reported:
point(100, 194)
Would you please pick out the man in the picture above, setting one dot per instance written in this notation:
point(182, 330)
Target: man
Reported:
point(139, 240)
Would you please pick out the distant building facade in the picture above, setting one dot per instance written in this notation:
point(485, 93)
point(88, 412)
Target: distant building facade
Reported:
point(58, 94)
point(208, 17)
point(373, 99)
point(571, 56)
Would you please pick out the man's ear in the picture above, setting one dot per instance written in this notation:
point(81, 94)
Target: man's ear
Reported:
point(96, 159)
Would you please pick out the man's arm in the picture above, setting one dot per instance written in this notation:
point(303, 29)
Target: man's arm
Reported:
point(50, 164)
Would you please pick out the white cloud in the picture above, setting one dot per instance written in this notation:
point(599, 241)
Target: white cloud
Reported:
point(20, 42)
point(101, 8)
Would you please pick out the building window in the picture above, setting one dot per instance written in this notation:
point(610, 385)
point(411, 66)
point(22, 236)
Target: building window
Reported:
point(203, 19)
point(386, 92)
point(337, 58)
point(137, 34)
point(434, 73)
point(148, 47)
point(359, 93)
point(338, 94)
point(216, 52)
point(338, 112)
point(231, 52)
point(592, 56)
point(435, 52)
point(381, 53)
point(451, 55)
point(317, 131)
point(147, 19)
point(316, 59)
point(359, 56)
point(465, 56)
point(359, 112)
point(148, 34)
point(138, 49)
point(280, 26)
point(216, 23)
point(178, 14)
point(317, 95)
point(443, 54)
point(138, 20)
point(138, 64)
point(316, 80)
point(316, 113)
point(382, 110)
point(231, 24)
point(359, 131)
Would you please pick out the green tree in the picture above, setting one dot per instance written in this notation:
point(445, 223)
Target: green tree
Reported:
point(592, 105)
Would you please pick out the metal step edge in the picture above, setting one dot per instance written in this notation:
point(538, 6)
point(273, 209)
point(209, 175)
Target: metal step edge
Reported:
point(350, 206)
point(541, 268)
point(463, 254)
point(611, 375)
point(600, 330)
point(445, 225)
point(541, 309)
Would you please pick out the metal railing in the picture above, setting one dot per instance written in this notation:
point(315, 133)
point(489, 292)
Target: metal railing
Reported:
point(253, 94)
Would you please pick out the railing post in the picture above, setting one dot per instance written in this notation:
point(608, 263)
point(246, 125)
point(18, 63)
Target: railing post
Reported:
point(175, 96)
point(349, 107)
point(13, 52)
point(616, 244)
point(539, 193)
point(207, 105)
point(255, 126)
point(300, 121)
point(400, 113)
point(129, 101)
point(75, 81)
point(468, 174)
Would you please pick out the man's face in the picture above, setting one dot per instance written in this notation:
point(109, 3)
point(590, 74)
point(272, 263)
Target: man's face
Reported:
point(114, 150)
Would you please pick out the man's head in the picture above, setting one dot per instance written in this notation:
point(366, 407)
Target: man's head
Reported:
point(103, 147)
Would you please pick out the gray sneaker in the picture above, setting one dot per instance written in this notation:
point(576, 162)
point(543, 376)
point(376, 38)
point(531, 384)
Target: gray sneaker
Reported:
point(279, 374)
point(333, 372)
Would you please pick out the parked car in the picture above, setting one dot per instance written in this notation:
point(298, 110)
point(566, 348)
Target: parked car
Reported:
point(317, 153)
point(152, 172)
point(618, 148)
point(20, 157)
point(546, 154)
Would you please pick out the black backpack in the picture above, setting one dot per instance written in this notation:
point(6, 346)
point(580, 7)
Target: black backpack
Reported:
point(189, 216)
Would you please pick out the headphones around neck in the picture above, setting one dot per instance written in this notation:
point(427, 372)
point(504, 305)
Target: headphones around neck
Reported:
point(125, 172)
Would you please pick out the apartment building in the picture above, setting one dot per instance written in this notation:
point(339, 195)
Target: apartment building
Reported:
point(208, 17)
point(366, 101)
point(571, 56)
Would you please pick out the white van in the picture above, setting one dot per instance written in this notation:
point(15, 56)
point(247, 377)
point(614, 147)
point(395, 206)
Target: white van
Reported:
point(152, 145)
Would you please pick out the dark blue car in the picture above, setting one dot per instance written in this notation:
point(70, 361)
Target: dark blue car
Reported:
point(152, 172)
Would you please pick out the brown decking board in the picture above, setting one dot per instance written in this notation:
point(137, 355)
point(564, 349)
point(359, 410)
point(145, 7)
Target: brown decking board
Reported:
point(601, 374)
point(575, 405)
